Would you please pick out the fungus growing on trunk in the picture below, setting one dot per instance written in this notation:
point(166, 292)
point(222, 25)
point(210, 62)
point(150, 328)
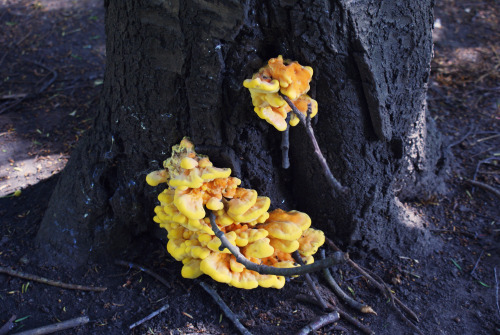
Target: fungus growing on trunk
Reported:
point(288, 78)
point(264, 238)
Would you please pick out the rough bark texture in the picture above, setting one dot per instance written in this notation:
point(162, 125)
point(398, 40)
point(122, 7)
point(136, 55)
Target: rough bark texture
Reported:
point(175, 68)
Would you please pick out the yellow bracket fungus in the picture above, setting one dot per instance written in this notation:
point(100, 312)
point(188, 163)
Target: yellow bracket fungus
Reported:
point(285, 77)
point(265, 238)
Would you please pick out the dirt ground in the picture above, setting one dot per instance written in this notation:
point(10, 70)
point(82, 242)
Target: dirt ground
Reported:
point(51, 70)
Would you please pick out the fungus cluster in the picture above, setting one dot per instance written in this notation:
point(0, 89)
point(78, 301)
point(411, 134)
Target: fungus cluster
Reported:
point(285, 77)
point(263, 237)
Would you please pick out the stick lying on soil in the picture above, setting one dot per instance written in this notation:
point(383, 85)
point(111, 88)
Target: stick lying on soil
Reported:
point(43, 280)
point(149, 317)
point(320, 322)
point(57, 326)
point(225, 308)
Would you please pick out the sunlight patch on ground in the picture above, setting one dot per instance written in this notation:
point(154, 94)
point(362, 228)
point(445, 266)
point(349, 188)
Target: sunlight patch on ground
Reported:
point(19, 169)
point(411, 217)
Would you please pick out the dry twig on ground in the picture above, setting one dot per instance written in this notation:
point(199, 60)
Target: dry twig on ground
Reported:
point(149, 317)
point(225, 308)
point(57, 326)
point(43, 280)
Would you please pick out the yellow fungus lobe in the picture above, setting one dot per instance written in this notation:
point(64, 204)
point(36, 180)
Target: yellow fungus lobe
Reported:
point(193, 188)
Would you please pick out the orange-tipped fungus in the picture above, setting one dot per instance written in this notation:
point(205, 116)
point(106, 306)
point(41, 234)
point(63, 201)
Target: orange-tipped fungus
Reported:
point(267, 238)
point(285, 77)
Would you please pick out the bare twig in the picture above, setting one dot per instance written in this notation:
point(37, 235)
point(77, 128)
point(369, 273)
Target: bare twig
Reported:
point(227, 311)
point(57, 326)
point(310, 282)
point(477, 262)
point(285, 144)
point(8, 325)
point(149, 317)
point(382, 288)
point(310, 132)
point(337, 258)
point(143, 269)
point(484, 187)
point(43, 280)
point(363, 308)
point(320, 322)
point(13, 96)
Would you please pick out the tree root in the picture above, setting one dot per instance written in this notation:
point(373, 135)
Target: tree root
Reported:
point(337, 258)
point(43, 280)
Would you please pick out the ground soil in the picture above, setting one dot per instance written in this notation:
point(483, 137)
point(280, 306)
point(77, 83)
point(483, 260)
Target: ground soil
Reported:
point(51, 65)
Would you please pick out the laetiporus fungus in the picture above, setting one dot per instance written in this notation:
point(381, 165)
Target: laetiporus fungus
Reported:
point(288, 78)
point(266, 238)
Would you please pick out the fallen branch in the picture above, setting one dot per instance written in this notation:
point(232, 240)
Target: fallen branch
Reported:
point(484, 187)
point(337, 258)
point(310, 132)
point(149, 317)
point(382, 288)
point(227, 311)
point(57, 326)
point(320, 322)
point(145, 270)
point(43, 280)
point(363, 308)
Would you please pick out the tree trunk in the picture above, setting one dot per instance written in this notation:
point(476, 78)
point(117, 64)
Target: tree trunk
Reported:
point(175, 68)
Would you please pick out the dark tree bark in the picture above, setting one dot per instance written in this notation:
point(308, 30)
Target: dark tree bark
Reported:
point(175, 68)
